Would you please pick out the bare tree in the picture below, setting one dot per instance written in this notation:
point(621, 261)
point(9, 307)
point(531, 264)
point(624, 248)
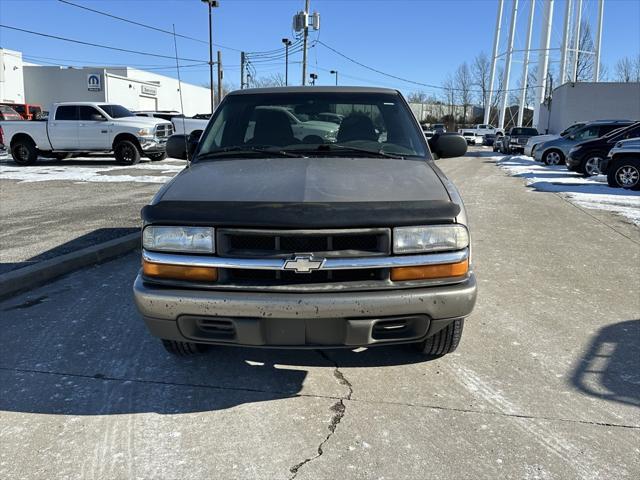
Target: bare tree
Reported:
point(417, 97)
point(463, 83)
point(449, 93)
point(628, 70)
point(481, 71)
point(273, 80)
point(586, 60)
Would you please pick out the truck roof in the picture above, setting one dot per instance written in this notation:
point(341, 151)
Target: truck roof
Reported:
point(320, 89)
point(84, 103)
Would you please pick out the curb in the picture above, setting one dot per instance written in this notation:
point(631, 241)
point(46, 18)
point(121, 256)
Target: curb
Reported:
point(33, 276)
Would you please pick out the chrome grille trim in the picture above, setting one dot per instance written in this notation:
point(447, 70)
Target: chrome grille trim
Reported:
point(329, 264)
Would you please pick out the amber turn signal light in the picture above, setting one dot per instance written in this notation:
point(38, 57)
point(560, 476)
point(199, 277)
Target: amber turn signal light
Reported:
point(179, 272)
point(428, 272)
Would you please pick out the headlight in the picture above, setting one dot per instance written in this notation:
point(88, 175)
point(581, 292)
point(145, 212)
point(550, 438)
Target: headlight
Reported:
point(145, 132)
point(179, 239)
point(430, 239)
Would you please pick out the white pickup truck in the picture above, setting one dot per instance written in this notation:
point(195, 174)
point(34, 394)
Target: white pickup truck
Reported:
point(83, 127)
point(482, 129)
point(181, 124)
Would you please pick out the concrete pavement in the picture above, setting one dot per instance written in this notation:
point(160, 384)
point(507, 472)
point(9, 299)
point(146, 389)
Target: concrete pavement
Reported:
point(545, 383)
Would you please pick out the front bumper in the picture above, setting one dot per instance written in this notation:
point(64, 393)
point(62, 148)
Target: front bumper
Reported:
point(151, 145)
point(572, 160)
point(336, 319)
point(528, 150)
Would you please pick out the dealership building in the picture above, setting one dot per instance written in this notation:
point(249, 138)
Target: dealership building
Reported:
point(23, 82)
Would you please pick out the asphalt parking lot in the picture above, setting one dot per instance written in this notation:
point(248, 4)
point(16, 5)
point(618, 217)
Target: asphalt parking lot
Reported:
point(545, 383)
point(52, 208)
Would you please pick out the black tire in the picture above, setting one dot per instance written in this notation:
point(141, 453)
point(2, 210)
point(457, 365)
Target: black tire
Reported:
point(126, 152)
point(553, 157)
point(183, 349)
point(156, 157)
point(624, 173)
point(24, 152)
point(443, 342)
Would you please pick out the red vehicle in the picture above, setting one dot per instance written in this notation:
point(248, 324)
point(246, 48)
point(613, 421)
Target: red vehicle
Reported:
point(27, 111)
point(8, 113)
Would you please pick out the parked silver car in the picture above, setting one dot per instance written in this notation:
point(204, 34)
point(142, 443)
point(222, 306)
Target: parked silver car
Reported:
point(554, 152)
point(533, 142)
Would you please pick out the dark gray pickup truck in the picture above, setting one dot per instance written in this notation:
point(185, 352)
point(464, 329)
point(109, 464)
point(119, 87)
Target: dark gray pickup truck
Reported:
point(273, 237)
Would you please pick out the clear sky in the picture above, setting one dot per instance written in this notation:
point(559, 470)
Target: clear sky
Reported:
point(422, 40)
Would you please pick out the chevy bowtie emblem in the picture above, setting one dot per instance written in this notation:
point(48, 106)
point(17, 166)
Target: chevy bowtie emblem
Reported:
point(303, 264)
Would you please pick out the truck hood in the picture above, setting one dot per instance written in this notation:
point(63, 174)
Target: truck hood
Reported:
point(542, 138)
point(305, 192)
point(142, 121)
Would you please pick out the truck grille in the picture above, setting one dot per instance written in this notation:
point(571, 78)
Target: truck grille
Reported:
point(238, 243)
point(284, 243)
point(164, 131)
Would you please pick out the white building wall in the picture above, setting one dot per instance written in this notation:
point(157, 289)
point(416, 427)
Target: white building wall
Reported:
point(11, 76)
point(47, 85)
point(586, 101)
point(196, 99)
point(132, 88)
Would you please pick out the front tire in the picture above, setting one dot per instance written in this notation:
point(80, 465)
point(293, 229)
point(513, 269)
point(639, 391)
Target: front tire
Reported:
point(24, 152)
point(156, 157)
point(443, 342)
point(183, 349)
point(624, 173)
point(126, 152)
point(553, 157)
point(592, 165)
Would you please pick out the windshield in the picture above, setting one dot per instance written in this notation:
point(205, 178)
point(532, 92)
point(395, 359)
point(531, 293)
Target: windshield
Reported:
point(116, 111)
point(524, 131)
point(573, 128)
point(305, 123)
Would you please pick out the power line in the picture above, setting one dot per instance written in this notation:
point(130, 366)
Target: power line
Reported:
point(108, 47)
point(143, 25)
point(414, 82)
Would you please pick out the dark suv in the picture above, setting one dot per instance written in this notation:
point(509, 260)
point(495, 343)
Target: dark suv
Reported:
point(516, 138)
point(587, 157)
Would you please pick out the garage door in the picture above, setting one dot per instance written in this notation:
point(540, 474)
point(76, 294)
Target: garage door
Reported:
point(147, 103)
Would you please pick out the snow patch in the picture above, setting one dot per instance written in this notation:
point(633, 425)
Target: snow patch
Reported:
point(91, 169)
point(593, 193)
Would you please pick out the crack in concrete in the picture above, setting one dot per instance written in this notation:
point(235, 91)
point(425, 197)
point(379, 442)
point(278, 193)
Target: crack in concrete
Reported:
point(338, 409)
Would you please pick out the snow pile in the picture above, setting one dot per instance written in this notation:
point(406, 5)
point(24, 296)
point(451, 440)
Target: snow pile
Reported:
point(585, 192)
point(90, 169)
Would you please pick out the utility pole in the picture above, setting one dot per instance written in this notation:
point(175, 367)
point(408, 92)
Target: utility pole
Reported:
point(220, 74)
point(543, 60)
point(287, 44)
point(305, 36)
point(525, 66)
point(242, 62)
point(496, 41)
point(211, 4)
point(596, 69)
point(335, 72)
point(565, 41)
point(507, 67)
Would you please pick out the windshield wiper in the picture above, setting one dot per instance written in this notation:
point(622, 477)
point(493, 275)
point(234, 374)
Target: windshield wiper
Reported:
point(329, 147)
point(247, 150)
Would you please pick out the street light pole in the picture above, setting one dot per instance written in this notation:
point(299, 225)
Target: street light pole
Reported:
point(211, 4)
point(335, 72)
point(287, 44)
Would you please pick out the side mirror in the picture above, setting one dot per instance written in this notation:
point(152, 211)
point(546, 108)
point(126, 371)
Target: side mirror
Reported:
point(96, 117)
point(447, 145)
point(572, 137)
point(179, 145)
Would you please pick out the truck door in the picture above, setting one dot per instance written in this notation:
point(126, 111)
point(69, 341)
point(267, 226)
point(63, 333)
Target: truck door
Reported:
point(63, 128)
point(93, 129)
